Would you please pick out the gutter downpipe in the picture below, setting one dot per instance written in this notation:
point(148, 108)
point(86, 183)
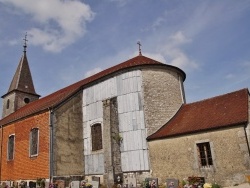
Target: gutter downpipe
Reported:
point(51, 113)
point(1, 154)
point(245, 127)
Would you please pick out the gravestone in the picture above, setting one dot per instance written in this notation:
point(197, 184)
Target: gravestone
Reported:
point(32, 184)
point(172, 183)
point(129, 181)
point(152, 182)
point(75, 184)
point(60, 184)
point(95, 182)
point(118, 178)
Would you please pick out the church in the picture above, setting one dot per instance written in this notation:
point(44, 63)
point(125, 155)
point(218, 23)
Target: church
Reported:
point(120, 126)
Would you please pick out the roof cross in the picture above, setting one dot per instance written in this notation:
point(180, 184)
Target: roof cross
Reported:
point(139, 44)
point(25, 43)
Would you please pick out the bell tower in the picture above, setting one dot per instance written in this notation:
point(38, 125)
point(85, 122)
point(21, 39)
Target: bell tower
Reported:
point(21, 90)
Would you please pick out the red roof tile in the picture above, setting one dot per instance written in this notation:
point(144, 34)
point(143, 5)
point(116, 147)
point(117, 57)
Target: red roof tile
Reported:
point(59, 96)
point(217, 112)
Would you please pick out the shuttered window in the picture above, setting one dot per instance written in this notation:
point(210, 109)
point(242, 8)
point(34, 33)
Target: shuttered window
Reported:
point(34, 138)
point(11, 143)
point(205, 155)
point(96, 135)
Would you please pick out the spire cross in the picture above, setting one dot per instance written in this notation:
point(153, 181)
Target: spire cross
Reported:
point(139, 44)
point(25, 43)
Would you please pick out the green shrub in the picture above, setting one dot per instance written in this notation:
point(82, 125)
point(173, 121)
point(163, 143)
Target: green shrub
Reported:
point(215, 185)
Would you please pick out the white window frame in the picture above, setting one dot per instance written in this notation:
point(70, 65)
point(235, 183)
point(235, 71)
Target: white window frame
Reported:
point(197, 157)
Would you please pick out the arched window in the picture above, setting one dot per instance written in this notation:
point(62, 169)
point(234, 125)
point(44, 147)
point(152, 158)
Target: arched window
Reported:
point(34, 141)
point(96, 135)
point(11, 143)
point(8, 104)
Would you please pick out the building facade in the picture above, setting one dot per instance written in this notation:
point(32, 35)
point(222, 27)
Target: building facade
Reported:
point(208, 138)
point(116, 124)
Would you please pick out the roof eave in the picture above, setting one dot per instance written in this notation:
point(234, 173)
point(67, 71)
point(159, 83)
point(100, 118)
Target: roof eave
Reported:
point(244, 123)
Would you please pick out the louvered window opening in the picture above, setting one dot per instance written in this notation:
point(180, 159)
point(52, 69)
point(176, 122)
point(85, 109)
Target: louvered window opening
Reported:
point(11, 147)
point(96, 134)
point(8, 104)
point(205, 155)
point(34, 142)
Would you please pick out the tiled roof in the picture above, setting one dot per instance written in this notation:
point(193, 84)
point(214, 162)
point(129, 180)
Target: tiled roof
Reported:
point(214, 113)
point(59, 96)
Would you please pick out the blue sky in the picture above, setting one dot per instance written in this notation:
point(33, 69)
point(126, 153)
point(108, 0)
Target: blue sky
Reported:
point(69, 40)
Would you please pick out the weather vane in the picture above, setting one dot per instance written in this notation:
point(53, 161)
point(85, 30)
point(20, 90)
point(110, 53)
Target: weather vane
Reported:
point(25, 43)
point(139, 44)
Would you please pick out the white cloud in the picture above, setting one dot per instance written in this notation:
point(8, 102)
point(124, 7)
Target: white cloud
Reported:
point(92, 72)
point(179, 38)
point(246, 64)
point(230, 76)
point(156, 56)
point(158, 22)
point(60, 22)
point(173, 53)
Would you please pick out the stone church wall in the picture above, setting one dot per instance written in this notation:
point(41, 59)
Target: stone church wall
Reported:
point(7, 111)
point(68, 142)
point(177, 157)
point(163, 96)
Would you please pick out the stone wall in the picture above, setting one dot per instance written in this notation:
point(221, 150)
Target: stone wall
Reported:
point(177, 157)
point(111, 141)
point(162, 90)
point(68, 138)
point(16, 101)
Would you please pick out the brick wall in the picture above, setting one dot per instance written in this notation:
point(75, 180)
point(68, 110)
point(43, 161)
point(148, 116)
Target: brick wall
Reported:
point(24, 167)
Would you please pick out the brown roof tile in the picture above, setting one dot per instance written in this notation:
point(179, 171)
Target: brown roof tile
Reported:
point(217, 112)
point(59, 96)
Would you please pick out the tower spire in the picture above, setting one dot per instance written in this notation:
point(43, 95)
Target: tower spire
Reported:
point(25, 43)
point(139, 44)
point(21, 90)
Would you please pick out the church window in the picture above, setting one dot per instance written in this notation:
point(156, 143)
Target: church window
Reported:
point(11, 142)
point(204, 152)
point(26, 100)
point(96, 135)
point(8, 104)
point(34, 141)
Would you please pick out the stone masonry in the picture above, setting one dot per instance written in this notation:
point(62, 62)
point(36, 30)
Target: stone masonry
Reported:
point(162, 90)
point(112, 155)
point(177, 157)
point(67, 138)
